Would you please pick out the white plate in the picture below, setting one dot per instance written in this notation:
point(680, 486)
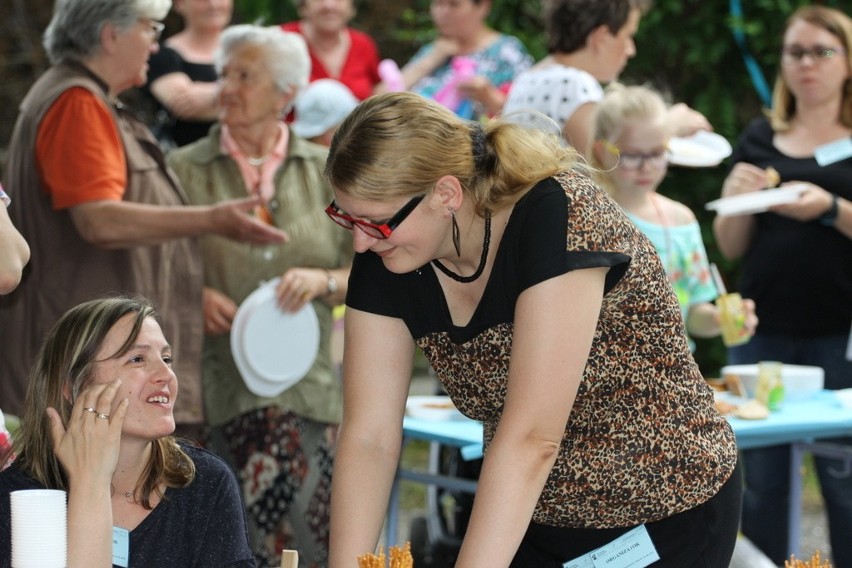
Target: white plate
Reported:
point(273, 349)
point(756, 201)
point(701, 150)
point(432, 408)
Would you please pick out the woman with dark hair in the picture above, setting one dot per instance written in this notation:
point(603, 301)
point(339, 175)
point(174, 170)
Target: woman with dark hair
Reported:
point(797, 257)
point(589, 43)
point(547, 316)
point(98, 424)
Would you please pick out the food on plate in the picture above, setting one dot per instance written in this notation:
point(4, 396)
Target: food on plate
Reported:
point(814, 562)
point(725, 407)
point(735, 385)
point(438, 405)
point(400, 557)
point(752, 410)
point(773, 178)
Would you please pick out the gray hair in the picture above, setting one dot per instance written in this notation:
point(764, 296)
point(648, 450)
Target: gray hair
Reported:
point(74, 32)
point(285, 53)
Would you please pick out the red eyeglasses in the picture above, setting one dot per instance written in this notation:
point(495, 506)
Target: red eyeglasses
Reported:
point(375, 230)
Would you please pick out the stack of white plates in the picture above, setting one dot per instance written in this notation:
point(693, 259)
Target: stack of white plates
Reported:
point(273, 349)
point(39, 528)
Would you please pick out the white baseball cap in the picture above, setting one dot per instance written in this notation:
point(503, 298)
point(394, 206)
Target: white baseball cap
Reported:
point(322, 105)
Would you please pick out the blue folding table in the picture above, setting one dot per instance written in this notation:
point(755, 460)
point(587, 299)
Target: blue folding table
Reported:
point(799, 423)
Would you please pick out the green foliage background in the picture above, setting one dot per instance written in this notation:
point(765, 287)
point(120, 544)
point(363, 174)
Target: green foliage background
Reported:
point(685, 48)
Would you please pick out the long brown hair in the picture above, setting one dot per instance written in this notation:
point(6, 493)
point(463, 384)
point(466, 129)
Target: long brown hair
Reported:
point(63, 368)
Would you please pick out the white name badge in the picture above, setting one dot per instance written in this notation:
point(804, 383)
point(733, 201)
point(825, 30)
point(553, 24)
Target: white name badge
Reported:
point(633, 549)
point(833, 151)
point(120, 547)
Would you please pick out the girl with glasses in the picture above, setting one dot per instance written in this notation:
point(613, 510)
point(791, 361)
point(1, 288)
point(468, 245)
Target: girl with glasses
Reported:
point(797, 257)
point(630, 149)
point(547, 316)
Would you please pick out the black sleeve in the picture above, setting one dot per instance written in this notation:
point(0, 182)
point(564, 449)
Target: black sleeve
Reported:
point(371, 286)
point(165, 61)
point(569, 226)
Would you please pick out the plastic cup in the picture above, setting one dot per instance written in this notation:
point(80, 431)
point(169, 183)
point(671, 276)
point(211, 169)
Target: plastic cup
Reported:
point(732, 319)
point(770, 386)
point(39, 531)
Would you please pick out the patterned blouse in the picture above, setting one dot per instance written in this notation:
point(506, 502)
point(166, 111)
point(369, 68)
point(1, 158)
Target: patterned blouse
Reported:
point(554, 90)
point(643, 440)
point(500, 62)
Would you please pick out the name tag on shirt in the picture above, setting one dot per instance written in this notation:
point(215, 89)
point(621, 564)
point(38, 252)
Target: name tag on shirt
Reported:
point(120, 547)
point(833, 151)
point(633, 549)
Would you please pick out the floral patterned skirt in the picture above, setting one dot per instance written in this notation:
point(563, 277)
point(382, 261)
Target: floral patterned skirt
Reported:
point(283, 463)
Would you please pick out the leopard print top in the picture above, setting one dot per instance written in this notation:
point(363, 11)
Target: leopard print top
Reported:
point(643, 440)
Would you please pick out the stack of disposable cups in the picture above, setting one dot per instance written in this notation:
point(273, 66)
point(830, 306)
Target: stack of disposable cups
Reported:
point(39, 529)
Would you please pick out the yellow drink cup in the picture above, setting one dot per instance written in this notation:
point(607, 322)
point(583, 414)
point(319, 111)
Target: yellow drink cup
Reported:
point(732, 319)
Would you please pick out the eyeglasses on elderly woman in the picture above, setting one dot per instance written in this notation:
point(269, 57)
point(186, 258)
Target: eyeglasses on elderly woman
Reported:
point(381, 230)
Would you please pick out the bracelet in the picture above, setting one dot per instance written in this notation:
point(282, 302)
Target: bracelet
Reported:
point(830, 217)
point(331, 284)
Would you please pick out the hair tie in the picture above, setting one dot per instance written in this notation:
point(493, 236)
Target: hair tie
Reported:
point(483, 160)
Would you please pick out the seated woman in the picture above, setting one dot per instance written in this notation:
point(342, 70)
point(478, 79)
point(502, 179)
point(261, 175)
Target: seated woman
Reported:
point(98, 424)
point(469, 67)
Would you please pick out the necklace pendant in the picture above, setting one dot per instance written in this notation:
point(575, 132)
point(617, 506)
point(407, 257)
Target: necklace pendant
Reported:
point(483, 259)
point(257, 162)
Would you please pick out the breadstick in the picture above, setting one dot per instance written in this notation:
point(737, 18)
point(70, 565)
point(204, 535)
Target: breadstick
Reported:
point(814, 562)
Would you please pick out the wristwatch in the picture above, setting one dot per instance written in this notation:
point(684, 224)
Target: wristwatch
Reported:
point(331, 285)
point(829, 217)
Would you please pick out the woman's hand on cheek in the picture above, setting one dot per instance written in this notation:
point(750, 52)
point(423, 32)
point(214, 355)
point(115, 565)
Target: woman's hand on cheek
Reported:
point(89, 444)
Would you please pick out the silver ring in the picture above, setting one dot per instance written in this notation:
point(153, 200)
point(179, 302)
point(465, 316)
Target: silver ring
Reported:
point(102, 415)
point(92, 410)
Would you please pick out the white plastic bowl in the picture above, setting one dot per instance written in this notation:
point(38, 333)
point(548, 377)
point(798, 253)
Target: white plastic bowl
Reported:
point(845, 397)
point(801, 382)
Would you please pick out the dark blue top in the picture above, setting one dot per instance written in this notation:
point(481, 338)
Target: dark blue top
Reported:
point(200, 525)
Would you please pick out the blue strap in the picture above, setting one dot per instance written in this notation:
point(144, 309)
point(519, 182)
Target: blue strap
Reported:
point(753, 68)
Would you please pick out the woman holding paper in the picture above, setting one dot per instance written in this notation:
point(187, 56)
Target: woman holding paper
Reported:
point(98, 424)
point(797, 257)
